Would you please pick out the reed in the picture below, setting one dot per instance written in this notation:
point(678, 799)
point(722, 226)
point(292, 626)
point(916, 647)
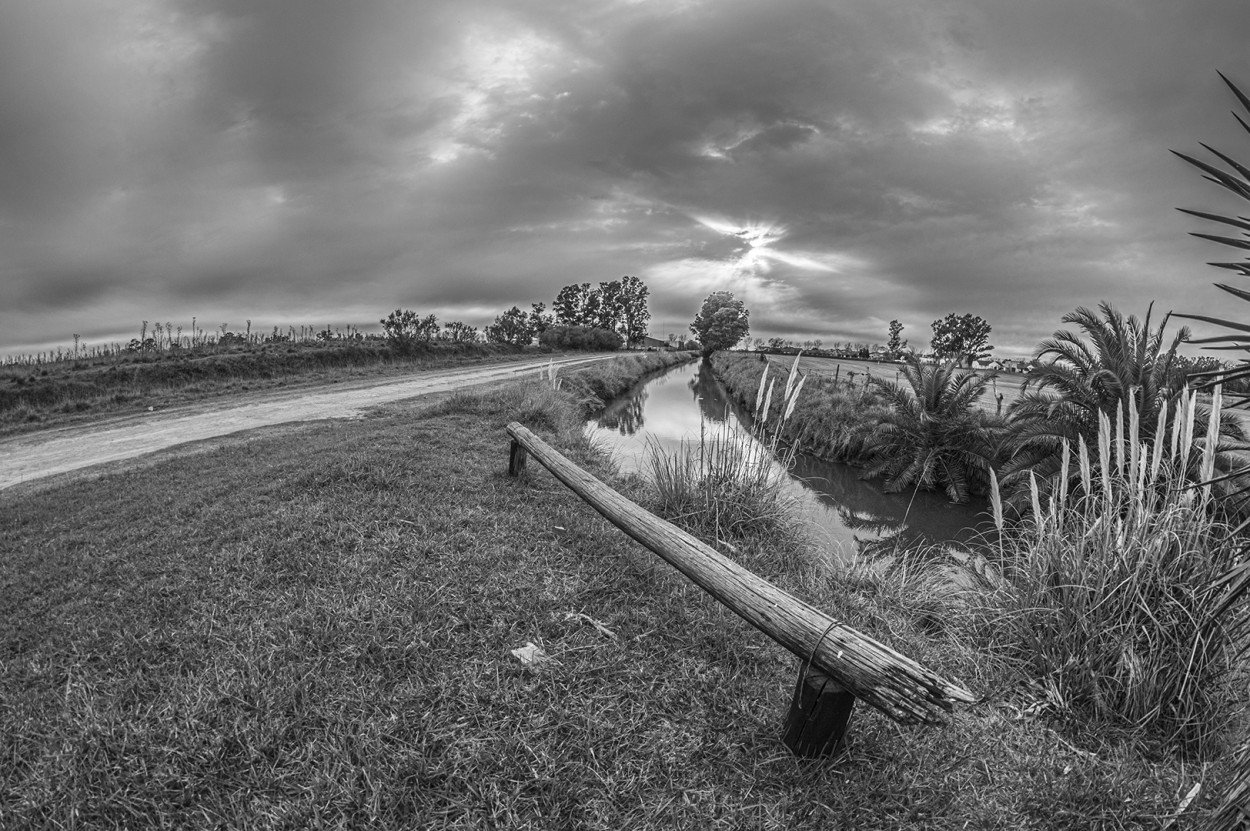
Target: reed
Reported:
point(729, 484)
point(1114, 597)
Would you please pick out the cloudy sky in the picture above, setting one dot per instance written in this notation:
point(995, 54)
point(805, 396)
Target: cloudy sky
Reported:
point(836, 163)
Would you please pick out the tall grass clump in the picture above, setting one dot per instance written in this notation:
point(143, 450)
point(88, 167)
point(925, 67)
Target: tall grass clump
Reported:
point(730, 484)
point(1114, 595)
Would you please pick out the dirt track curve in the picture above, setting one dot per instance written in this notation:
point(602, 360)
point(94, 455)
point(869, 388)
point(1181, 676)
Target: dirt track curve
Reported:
point(28, 458)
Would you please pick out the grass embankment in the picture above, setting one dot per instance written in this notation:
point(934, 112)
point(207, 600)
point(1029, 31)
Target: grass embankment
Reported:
point(829, 418)
point(41, 395)
point(315, 627)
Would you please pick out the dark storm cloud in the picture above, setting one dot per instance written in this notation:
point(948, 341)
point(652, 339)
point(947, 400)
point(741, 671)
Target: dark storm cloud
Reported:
point(839, 164)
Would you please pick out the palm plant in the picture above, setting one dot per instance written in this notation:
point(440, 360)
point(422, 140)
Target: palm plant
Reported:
point(1113, 361)
point(933, 435)
point(1237, 182)
point(1118, 365)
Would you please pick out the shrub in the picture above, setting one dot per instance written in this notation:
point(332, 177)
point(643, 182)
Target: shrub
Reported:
point(593, 338)
point(405, 329)
point(933, 435)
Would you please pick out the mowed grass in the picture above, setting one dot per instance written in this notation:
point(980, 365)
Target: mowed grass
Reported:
point(313, 628)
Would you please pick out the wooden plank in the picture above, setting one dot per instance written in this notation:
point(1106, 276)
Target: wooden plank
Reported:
point(892, 683)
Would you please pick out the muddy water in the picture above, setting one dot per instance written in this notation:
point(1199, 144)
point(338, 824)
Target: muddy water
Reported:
point(846, 512)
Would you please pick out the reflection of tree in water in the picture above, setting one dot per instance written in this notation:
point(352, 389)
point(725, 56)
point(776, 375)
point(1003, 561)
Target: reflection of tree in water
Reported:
point(625, 415)
point(713, 399)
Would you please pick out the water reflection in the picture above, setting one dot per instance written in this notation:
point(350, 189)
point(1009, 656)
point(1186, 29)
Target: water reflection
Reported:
point(626, 415)
point(850, 513)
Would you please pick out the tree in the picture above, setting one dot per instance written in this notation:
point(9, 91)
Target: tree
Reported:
point(404, 329)
point(539, 321)
point(934, 435)
point(608, 306)
point(572, 305)
point(961, 336)
point(720, 323)
point(776, 343)
point(459, 332)
point(895, 344)
point(513, 326)
point(634, 312)
point(618, 305)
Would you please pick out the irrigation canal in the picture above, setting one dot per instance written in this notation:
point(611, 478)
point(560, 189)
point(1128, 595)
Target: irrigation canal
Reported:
point(847, 513)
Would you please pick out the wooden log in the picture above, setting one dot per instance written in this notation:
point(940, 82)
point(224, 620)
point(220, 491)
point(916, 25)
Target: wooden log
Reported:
point(892, 683)
point(819, 716)
point(516, 459)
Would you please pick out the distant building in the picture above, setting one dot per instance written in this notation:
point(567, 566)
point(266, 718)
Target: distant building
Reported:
point(649, 342)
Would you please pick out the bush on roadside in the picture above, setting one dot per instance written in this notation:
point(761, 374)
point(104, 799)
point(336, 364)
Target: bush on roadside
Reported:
point(589, 338)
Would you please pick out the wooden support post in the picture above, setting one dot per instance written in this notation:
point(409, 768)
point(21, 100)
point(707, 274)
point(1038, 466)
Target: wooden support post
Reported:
point(516, 459)
point(819, 716)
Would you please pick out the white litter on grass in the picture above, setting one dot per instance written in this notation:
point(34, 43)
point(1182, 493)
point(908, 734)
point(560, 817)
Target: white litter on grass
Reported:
point(532, 656)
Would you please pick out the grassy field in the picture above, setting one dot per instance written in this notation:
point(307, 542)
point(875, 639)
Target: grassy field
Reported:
point(314, 627)
point(1007, 383)
point(79, 390)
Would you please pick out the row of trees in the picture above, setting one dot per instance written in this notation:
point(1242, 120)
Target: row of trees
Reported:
point(618, 305)
point(582, 317)
point(723, 321)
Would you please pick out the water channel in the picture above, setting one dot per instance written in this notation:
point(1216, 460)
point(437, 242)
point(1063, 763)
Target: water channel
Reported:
point(846, 512)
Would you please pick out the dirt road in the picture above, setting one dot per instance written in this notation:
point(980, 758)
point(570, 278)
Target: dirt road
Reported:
point(34, 456)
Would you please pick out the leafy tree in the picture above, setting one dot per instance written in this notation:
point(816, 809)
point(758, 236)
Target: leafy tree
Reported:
point(721, 322)
point(539, 321)
point(895, 344)
point(609, 306)
point(572, 305)
point(776, 343)
point(935, 436)
point(961, 336)
point(513, 326)
point(618, 305)
point(459, 332)
point(634, 312)
point(404, 329)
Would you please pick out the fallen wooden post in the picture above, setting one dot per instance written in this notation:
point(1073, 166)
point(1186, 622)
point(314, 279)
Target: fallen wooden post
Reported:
point(862, 668)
